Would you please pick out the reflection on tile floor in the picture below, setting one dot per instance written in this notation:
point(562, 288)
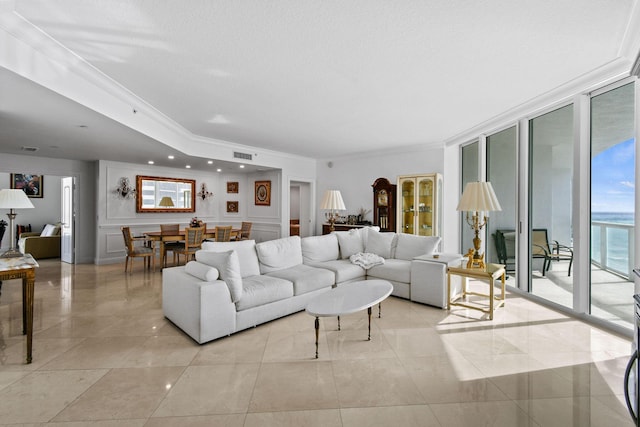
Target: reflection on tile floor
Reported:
point(104, 355)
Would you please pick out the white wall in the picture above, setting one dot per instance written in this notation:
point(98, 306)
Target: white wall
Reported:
point(353, 176)
point(48, 208)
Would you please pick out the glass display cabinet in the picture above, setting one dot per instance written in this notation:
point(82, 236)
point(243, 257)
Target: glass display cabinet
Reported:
point(420, 204)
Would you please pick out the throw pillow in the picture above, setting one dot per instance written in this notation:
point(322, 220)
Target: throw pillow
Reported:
point(350, 242)
point(379, 243)
point(201, 271)
point(246, 250)
point(49, 230)
point(228, 266)
point(410, 246)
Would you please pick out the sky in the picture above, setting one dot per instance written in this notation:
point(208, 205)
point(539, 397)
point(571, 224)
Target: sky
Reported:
point(613, 178)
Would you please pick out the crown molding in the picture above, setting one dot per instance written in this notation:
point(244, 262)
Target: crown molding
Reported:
point(601, 76)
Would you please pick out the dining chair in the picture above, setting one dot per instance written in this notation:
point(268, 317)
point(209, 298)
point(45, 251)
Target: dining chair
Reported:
point(170, 230)
point(245, 231)
point(133, 251)
point(192, 243)
point(223, 233)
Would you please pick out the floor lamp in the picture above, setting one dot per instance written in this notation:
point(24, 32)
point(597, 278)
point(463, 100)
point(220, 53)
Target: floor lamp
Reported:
point(477, 197)
point(13, 199)
point(332, 202)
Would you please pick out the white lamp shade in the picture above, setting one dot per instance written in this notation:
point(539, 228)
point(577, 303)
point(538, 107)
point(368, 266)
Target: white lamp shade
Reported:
point(332, 200)
point(478, 197)
point(14, 199)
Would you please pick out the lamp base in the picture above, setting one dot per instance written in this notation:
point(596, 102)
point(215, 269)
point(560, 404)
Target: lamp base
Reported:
point(11, 253)
point(476, 260)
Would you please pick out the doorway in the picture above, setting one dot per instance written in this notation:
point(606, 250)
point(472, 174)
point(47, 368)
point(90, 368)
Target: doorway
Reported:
point(300, 208)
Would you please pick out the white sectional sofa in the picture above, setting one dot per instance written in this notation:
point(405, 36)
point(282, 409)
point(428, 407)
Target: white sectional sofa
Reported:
point(236, 285)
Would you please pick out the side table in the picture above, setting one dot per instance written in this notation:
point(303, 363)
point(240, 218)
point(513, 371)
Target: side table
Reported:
point(490, 273)
point(24, 268)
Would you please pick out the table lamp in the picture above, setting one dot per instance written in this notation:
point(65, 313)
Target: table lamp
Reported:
point(13, 199)
point(166, 202)
point(332, 202)
point(477, 197)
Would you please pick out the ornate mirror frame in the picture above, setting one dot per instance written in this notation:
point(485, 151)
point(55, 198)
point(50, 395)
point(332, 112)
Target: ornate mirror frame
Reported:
point(148, 194)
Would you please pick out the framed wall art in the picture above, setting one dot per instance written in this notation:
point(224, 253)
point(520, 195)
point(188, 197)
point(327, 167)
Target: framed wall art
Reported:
point(232, 187)
point(232, 207)
point(29, 183)
point(263, 193)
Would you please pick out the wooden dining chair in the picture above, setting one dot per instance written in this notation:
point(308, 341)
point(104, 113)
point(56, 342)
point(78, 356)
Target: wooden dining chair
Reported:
point(170, 230)
point(192, 243)
point(133, 251)
point(245, 231)
point(223, 233)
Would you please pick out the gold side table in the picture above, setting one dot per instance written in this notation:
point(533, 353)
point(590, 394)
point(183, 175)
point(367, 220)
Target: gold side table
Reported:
point(24, 268)
point(490, 273)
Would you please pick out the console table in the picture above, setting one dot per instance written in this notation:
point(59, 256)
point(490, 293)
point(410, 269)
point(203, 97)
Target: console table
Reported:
point(24, 268)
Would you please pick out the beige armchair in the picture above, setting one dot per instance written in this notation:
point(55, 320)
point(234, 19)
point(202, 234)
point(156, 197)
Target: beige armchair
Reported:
point(40, 247)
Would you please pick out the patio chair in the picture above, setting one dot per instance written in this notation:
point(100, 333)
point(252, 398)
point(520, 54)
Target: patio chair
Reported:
point(540, 248)
point(504, 252)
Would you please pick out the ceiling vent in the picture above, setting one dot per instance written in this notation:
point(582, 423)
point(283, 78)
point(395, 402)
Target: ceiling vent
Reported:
point(243, 156)
point(30, 149)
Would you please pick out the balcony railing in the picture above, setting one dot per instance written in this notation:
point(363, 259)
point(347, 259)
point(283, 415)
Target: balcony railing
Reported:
point(612, 247)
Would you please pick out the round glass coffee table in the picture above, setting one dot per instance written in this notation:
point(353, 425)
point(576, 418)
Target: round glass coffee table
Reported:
point(349, 298)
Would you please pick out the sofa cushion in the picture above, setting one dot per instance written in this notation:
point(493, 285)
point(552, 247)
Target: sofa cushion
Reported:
point(202, 271)
point(343, 269)
point(260, 290)
point(396, 270)
point(320, 248)
point(379, 243)
point(228, 266)
point(410, 246)
point(279, 254)
point(246, 250)
point(306, 278)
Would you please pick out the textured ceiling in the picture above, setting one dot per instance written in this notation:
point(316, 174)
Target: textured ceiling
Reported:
point(328, 78)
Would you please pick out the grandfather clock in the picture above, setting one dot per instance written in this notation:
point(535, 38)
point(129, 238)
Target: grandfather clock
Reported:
point(384, 204)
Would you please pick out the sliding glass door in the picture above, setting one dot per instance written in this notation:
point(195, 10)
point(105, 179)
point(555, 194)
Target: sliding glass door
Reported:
point(550, 206)
point(612, 204)
point(502, 161)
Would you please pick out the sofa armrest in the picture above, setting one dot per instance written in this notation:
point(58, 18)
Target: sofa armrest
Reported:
point(203, 310)
point(429, 278)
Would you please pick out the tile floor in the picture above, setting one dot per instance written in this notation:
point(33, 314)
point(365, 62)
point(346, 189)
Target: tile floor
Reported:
point(105, 356)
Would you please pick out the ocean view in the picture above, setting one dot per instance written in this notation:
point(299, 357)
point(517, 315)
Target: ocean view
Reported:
point(617, 239)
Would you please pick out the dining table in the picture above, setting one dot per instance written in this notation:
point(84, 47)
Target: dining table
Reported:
point(161, 238)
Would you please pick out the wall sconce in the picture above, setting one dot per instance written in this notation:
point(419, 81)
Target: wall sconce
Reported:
point(203, 193)
point(124, 189)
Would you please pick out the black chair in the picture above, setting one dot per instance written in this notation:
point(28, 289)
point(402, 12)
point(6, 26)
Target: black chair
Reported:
point(505, 253)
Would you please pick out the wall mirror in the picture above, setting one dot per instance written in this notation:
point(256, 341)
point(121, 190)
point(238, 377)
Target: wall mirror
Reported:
point(158, 194)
